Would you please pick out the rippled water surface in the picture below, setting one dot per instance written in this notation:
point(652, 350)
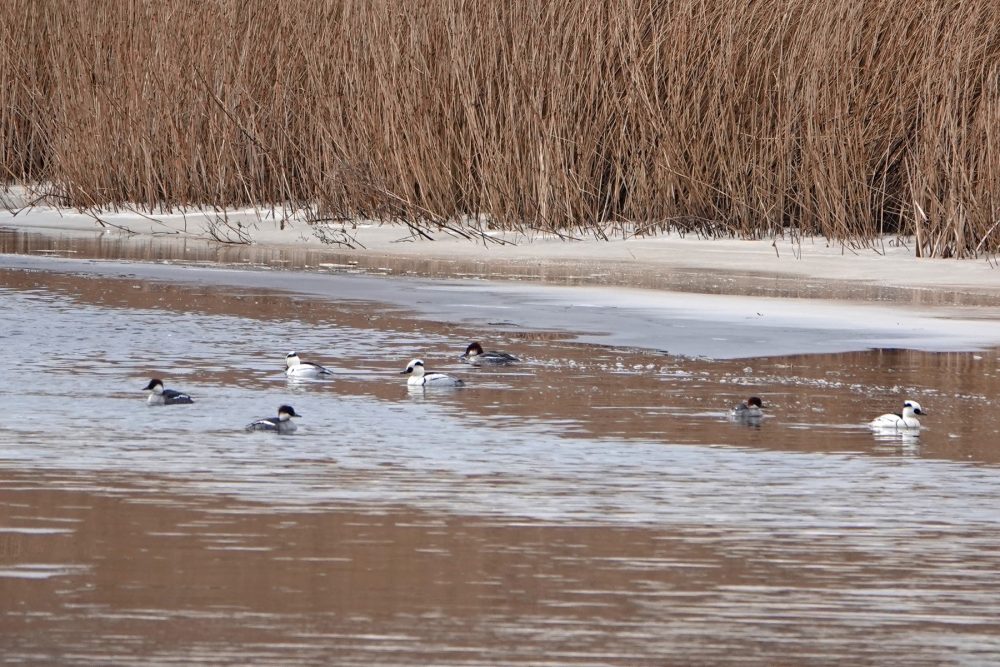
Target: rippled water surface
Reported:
point(589, 506)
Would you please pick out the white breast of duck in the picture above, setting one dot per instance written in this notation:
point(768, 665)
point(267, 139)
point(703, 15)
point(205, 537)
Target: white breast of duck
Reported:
point(907, 419)
point(419, 377)
point(295, 367)
point(158, 395)
point(475, 355)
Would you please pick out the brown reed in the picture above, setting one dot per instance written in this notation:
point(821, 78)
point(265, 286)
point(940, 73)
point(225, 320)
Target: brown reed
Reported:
point(847, 119)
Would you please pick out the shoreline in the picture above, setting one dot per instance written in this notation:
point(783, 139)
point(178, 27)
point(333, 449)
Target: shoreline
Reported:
point(893, 264)
point(715, 298)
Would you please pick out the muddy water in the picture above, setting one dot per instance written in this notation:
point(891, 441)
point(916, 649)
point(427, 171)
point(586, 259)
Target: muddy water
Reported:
point(592, 505)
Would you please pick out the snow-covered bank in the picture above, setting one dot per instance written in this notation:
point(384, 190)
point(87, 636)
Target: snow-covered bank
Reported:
point(892, 263)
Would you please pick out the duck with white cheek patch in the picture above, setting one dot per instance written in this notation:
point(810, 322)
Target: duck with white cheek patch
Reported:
point(158, 395)
point(420, 378)
point(475, 355)
point(280, 424)
point(296, 368)
point(903, 421)
point(749, 410)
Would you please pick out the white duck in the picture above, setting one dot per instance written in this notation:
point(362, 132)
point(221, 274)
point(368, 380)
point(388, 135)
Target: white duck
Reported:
point(296, 368)
point(420, 378)
point(906, 420)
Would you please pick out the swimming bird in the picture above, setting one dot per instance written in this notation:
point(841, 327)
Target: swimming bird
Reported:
point(751, 408)
point(295, 367)
point(280, 424)
point(160, 396)
point(474, 355)
point(902, 421)
point(420, 378)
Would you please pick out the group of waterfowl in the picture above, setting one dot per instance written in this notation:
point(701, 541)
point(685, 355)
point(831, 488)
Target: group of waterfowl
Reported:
point(751, 410)
point(158, 395)
point(296, 368)
point(906, 421)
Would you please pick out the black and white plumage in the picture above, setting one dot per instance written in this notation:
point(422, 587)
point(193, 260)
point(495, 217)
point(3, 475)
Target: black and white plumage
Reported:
point(750, 409)
point(160, 396)
point(474, 355)
point(420, 378)
point(906, 420)
point(280, 424)
point(295, 367)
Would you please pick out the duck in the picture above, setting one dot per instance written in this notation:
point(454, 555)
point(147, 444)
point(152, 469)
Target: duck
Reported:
point(751, 408)
point(906, 420)
point(295, 367)
point(160, 396)
point(420, 378)
point(474, 355)
point(280, 424)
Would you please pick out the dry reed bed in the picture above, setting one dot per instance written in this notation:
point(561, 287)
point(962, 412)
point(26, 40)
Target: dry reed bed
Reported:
point(847, 118)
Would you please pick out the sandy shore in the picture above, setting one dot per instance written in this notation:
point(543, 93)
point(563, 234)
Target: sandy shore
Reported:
point(710, 315)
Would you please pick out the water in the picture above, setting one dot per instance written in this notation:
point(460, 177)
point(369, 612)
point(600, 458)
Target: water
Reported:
point(590, 506)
